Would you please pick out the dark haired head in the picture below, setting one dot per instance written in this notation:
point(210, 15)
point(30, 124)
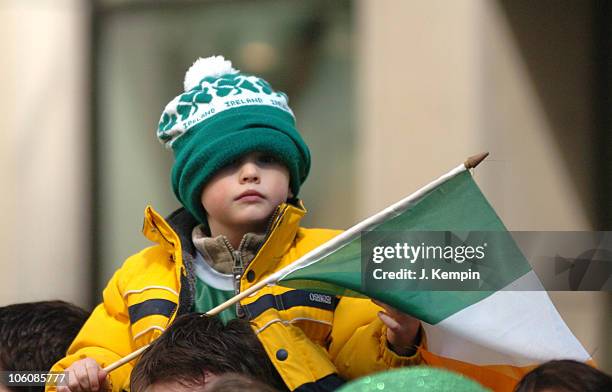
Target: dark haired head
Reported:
point(565, 376)
point(195, 345)
point(35, 335)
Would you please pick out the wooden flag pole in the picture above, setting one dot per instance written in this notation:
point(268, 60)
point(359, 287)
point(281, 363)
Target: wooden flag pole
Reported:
point(125, 359)
point(470, 163)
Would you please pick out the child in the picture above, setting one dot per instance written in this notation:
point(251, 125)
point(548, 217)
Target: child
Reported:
point(239, 165)
point(35, 335)
point(196, 350)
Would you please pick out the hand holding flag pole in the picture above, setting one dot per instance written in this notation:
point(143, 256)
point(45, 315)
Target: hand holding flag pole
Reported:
point(329, 247)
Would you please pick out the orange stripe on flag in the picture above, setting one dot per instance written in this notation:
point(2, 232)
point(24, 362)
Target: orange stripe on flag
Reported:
point(500, 378)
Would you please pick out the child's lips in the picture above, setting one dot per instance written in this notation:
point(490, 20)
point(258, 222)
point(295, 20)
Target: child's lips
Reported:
point(250, 195)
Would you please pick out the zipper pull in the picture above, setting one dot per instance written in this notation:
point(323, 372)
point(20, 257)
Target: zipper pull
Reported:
point(238, 267)
point(237, 271)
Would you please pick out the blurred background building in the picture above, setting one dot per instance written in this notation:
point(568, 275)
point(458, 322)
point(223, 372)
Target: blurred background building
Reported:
point(388, 94)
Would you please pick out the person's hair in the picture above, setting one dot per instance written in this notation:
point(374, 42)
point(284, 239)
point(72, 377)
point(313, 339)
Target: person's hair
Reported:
point(195, 343)
point(565, 376)
point(232, 382)
point(35, 335)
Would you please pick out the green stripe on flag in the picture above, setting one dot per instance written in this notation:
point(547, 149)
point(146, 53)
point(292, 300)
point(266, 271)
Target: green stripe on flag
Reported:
point(455, 205)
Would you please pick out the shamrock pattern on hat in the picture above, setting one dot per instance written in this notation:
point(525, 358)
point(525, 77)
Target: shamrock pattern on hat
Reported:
point(191, 100)
point(200, 102)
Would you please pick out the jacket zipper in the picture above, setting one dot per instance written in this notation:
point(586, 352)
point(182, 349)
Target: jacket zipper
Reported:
point(238, 268)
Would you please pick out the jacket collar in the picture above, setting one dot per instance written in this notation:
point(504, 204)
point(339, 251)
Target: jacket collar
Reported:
point(174, 233)
point(220, 254)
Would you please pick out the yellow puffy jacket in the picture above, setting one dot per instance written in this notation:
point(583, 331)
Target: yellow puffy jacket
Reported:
point(310, 339)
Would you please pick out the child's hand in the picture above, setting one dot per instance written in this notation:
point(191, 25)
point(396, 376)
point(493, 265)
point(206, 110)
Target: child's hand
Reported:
point(402, 329)
point(84, 376)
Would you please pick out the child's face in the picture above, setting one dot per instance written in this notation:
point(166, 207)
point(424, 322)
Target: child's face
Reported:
point(244, 193)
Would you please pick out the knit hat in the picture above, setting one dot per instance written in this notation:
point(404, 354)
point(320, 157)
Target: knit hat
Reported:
point(222, 115)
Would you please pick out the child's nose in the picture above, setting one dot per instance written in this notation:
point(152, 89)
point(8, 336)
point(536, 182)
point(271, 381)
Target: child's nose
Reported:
point(249, 172)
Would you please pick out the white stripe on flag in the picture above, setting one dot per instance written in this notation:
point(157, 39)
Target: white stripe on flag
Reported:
point(509, 327)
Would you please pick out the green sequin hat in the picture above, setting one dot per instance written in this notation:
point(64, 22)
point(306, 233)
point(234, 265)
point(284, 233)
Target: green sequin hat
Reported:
point(417, 379)
point(222, 115)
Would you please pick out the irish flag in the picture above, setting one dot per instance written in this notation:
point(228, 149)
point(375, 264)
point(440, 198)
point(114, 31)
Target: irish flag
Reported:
point(493, 336)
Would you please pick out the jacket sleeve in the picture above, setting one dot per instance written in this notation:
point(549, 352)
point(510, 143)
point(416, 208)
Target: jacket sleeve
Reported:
point(105, 337)
point(359, 340)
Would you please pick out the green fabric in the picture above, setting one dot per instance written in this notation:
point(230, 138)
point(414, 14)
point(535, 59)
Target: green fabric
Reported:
point(420, 378)
point(456, 205)
point(208, 297)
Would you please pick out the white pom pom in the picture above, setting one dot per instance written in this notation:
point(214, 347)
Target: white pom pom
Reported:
point(214, 66)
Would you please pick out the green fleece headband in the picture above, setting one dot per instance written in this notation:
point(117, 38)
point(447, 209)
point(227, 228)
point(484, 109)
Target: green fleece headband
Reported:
point(221, 116)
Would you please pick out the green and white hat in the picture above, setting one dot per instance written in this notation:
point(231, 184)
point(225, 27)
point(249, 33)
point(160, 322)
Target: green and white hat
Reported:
point(222, 115)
